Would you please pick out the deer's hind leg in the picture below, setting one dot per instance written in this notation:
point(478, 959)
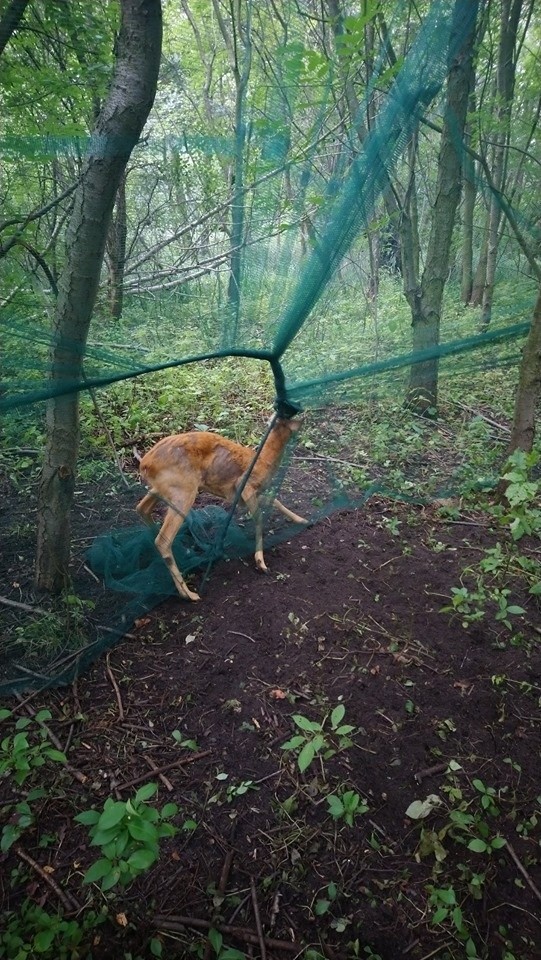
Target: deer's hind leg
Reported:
point(251, 500)
point(180, 505)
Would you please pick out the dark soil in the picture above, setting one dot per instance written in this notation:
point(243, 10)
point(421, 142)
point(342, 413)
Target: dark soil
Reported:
point(349, 614)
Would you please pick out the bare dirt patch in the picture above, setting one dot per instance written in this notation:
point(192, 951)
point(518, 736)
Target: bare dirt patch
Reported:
point(348, 615)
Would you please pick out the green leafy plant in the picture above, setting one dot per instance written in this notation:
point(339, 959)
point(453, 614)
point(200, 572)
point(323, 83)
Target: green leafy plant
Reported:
point(33, 932)
point(27, 748)
point(129, 835)
point(319, 738)
point(21, 817)
point(446, 908)
point(522, 495)
point(323, 904)
point(346, 806)
point(223, 952)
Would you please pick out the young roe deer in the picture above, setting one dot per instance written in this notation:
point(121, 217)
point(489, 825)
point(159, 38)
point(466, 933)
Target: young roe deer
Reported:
point(179, 467)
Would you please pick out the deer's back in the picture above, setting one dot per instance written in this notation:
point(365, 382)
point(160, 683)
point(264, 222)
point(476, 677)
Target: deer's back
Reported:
point(207, 460)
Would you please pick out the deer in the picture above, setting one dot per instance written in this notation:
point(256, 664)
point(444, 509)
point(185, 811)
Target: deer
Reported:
point(180, 466)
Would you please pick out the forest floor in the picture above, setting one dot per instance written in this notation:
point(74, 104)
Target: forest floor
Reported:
point(200, 699)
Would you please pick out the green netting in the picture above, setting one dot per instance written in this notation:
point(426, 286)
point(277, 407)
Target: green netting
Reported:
point(292, 318)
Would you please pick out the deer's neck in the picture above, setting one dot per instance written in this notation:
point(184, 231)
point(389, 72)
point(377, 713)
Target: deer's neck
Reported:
point(274, 447)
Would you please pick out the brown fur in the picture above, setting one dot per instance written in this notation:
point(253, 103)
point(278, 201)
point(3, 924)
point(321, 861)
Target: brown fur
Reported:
point(179, 467)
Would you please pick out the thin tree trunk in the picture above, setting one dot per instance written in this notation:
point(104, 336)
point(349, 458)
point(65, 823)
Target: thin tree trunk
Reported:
point(468, 207)
point(511, 10)
point(117, 130)
point(529, 387)
point(116, 252)
point(423, 385)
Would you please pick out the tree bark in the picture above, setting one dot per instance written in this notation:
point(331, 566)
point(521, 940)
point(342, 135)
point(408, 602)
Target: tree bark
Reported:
point(117, 130)
point(426, 303)
point(505, 86)
point(529, 387)
point(10, 20)
point(116, 252)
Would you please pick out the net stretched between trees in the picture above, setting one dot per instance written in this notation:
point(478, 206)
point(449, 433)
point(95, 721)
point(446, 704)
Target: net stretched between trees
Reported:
point(292, 298)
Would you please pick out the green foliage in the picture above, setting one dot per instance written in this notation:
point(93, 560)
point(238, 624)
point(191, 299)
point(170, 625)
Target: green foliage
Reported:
point(319, 738)
point(27, 748)
point(21, 817)
point(346, 805)
point(129, 834)
point(32, 932)
point(446, 909)
point(522, 494)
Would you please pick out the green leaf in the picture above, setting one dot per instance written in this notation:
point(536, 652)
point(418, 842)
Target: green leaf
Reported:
point(306, 756)
point(169, 810)
point(498, 842)
point(440, 915)
point(156, 947)
point(337, 715)
point(304, 723)
point(477, 845)
point(216, 940)
point(88, 817)
point(98, 870)
point(43, 941)
point(143, 831)
point(146, 792)
point(336, 807)
point(112, 815)
point(56, 755)
point(142, 859)
point(321, 907)
point(293, 744)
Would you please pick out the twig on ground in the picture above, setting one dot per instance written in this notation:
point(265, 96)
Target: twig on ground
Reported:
point(511, 851)
point(68, 901)
point(430, 771)
point(257, 917)
point(241, 933)
point(115, 686)
point(154, 767)
point(164, 769)
point(23, 606)
point(222, 886)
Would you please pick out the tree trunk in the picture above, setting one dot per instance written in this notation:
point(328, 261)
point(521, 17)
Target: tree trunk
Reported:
point(423, 385)
point(529, 387)
point(10, 20)
point(468, 207)
point(117, 130)
point(511, 10)
point(481, 269)
point(116, 252)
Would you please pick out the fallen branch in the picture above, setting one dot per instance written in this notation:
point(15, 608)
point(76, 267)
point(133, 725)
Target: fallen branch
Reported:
point(164, 769)
point(511, 851)
point(154, 767)
point(259, 927)
point(222, 886)
point(115, 686)
point(178, 923)
point(68, 901)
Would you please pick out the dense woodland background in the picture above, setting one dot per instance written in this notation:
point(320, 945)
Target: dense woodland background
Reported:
point(174, 183)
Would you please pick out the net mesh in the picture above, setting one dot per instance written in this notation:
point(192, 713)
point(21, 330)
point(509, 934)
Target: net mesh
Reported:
point(304, 262)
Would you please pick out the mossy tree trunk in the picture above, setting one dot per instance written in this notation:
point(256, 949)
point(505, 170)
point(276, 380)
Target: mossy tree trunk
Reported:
point(117, 130)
